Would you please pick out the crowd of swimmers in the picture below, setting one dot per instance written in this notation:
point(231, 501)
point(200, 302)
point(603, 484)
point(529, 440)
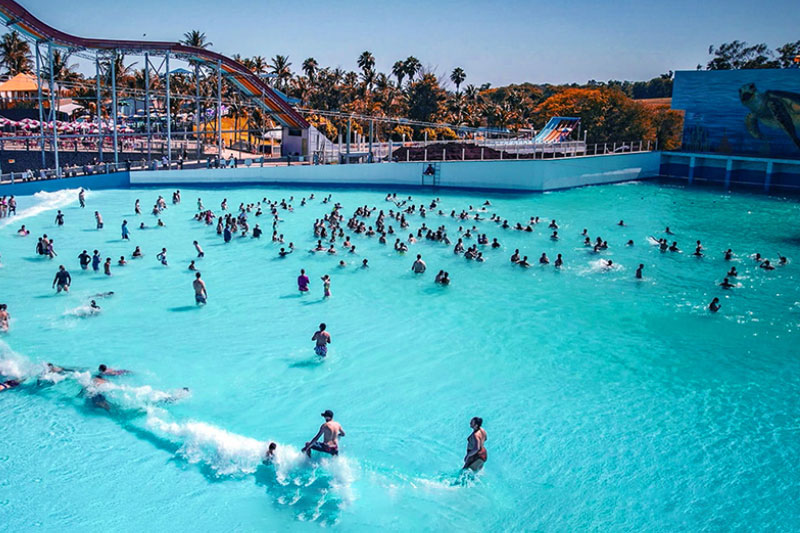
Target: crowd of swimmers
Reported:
point(331, 234)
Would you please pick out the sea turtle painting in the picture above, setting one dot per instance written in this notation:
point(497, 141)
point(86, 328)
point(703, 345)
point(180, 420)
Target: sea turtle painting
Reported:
point(774, 109)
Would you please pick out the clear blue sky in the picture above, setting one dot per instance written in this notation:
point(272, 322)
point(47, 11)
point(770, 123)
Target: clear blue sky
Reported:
point(498, 42)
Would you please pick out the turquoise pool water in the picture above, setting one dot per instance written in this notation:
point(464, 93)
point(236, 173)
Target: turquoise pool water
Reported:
point(610, 403)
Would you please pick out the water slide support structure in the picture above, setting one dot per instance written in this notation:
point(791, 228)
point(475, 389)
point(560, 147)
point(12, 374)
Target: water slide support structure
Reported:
point(99, 109)
point(39, 97)
point(53, 95)
point(16, 17)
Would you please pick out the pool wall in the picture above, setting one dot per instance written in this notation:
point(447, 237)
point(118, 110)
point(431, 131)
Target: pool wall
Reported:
point(513, 175)
point(114, 180)
point(728, 171)
point(517, 175)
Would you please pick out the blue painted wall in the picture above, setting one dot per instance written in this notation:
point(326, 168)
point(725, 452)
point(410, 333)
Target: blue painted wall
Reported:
point(115, 180)
point(715, 114)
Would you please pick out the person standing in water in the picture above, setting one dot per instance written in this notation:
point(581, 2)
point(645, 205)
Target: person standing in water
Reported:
point(476, 452)
point(326, 286)
point(303, 281)
point(419, 265)
point(322, 338)
point(330, 432)
point(200, 294)
point(82, 197)
point(125, 233)
point(62, 280)
point(4, 317)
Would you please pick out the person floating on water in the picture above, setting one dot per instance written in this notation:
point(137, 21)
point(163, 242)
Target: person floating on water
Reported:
point(200, 294)
point(476, 452)
point(322, 339)
point(714, 305)
point(330, 432)
point(10, 384)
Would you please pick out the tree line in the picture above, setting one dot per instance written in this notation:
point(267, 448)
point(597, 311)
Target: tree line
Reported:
point(610, 111)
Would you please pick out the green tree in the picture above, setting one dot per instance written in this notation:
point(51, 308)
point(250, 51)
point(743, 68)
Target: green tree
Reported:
point(197, 39)
point(789, 54)
point(425, 98)
point(310, 67)
point(399, 72)
point(281, 68)
point(457, 77)
point(412, 66)
point(15, 54)
point(740, 55)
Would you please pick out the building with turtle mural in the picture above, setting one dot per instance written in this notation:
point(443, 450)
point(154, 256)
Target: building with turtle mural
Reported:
point(740, 112)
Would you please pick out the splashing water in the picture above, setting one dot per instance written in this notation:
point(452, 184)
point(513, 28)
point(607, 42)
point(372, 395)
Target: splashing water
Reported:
point(45, 201)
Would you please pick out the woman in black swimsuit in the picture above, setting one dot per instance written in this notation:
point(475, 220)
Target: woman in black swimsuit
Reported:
point(476, 452)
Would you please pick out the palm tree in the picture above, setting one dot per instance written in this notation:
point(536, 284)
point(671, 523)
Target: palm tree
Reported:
point(310, 66)
point(259, 65)
point(366, 61)
point(196, 38)
point(15, 54)
point(412, 66)
point(458, 76)
point(121, 71)
point(399, 72)
point(280, 67)
point(472, 93)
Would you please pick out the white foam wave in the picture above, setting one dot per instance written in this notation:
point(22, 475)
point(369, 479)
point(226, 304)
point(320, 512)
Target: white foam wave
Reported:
point(601, 265)
point(231, 454)
point(228, 454)
point(82, 311)
point(45, 202)
point(14, 365)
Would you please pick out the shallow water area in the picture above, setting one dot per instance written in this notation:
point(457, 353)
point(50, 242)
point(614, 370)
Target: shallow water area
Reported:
point(610, 403)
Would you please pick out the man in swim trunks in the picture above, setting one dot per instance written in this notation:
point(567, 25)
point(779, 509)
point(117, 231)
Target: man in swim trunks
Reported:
point(322, 338)
point(10, 384)
point(303, 281)
point(419, 265)
point(330, 432)
point(62, 280)
point(476, 452)
point(200, 294)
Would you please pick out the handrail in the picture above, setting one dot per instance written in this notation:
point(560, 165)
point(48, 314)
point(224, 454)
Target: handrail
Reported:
point(16, 15)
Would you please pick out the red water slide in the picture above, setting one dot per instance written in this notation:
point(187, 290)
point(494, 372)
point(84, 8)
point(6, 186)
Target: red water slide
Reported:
point(17, 17)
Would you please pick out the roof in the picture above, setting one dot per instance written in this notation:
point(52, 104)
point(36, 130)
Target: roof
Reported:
point(22, 82)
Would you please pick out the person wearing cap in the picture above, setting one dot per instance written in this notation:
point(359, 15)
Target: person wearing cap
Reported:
point(330, 432)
